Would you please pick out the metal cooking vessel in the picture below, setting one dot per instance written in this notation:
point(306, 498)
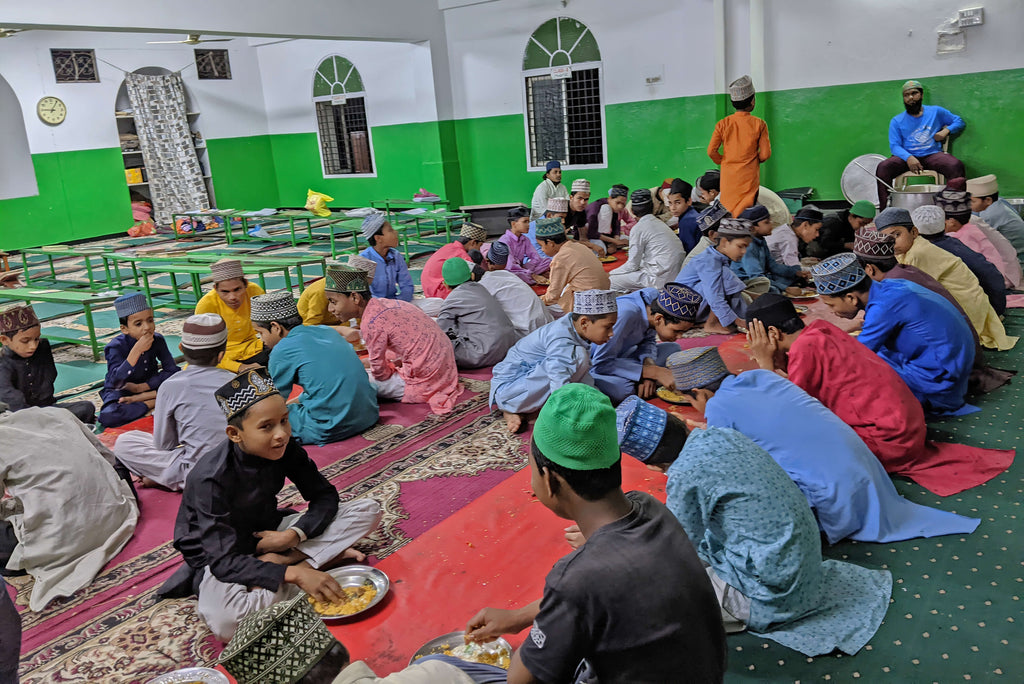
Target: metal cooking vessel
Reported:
point(913, 196)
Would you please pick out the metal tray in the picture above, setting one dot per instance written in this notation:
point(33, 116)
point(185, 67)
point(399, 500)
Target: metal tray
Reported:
point(355, 576)
point(448, 641)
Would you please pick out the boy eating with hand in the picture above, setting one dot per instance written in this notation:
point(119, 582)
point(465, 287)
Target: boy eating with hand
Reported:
point(138, 361)
point(242, 553)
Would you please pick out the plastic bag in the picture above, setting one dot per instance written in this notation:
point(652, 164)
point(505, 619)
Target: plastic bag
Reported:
point(316, 202)
point(142, 229)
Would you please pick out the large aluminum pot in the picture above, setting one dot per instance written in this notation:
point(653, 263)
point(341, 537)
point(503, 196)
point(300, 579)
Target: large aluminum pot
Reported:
point(914, 196)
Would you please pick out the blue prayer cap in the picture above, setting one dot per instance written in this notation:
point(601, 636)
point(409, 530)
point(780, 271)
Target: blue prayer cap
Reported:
point(130, 303)
point(837, 274)
point(679, 301)
point(640, 426)
point(893, 216)
point(373, 224)
point(755, 214)
point(696, 368)
point(553, 164)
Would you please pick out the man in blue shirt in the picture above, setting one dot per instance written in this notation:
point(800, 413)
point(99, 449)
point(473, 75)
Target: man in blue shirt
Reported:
point(916, 138)
point(391, 280)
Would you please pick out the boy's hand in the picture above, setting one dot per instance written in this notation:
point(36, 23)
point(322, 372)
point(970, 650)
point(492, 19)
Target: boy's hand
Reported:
point(144, 343)
point(762, 346)
point(248, 367)
point(319, 585)
point(272, 541)
point(491, 623)
point(574, 536)
point(645, 388)
point(136, 387)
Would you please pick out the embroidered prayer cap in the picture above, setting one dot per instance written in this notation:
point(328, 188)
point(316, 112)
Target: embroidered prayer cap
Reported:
point(735, 228)
point(455, 271)
point(772, 309)
point(576, 429)
point(741, 89)
point(756, 213)
point(864, 209)
point(278, 644)
point(872, 245)
point(553, 164)
point(226, 269)
point(954, 198)
point(244, 390)
point(17, 318)
point(344, 278)
point(893, 216)
point(640, 426)
point(498, 253)
point(679, 301)
point(363, 264)
point(618, 191)
point(983, 186)
point(710, 218)
point(549, 227)
point(473, 232)
point(810, 213)
point(373, 224)
point(928, 219)
point(517, 213)
point(913, 85)
point(273, 306)
point(696, 368)
point(837, 274)
point(680, 187)
point(130, 303)
point(558, 205)
point(204, 331)
point(580, 185)
point(594, 302)
point(641, 198)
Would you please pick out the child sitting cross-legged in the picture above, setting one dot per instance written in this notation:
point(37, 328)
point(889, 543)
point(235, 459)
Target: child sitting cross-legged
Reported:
point(471, 317)
point(138, 362)
point(241, 552)
point(187, 422)
point(710, 275)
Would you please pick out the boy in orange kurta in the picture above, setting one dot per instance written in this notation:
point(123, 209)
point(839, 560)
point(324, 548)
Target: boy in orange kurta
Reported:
point(746, 147)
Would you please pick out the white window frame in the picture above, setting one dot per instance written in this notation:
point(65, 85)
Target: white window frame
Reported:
point(581, 66)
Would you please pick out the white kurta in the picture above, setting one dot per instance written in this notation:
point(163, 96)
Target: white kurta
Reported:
point(70, 511)
point(186, 423)
point(522, 305)
point(784, 245)
point(655, 257)
point(545, 191)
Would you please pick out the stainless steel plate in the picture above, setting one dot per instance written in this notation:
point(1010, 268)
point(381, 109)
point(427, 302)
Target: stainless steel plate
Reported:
point(356, 576)
point(445, 642)
point(204, 675)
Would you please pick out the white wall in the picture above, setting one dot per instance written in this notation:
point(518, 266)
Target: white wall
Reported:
point(396, 76)
point(228, 107)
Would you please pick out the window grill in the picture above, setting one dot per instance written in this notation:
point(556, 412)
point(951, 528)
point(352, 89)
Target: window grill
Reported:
point(74, 66)
point(344, 137)
point(213, 64)
point(564, 118)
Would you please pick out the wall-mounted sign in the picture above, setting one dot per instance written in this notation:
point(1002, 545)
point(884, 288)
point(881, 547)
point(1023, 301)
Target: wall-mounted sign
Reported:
point(338, 99)
point(561, 72)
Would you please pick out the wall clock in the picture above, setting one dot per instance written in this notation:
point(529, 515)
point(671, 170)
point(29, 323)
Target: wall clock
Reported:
point(51, 110)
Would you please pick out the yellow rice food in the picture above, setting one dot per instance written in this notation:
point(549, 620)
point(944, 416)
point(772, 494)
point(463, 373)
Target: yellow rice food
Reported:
point(356, 599)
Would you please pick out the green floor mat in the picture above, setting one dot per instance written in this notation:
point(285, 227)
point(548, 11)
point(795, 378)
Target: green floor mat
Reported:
point(78, 374)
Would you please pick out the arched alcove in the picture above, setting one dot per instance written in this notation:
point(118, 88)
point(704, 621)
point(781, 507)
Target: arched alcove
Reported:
point(17, 174)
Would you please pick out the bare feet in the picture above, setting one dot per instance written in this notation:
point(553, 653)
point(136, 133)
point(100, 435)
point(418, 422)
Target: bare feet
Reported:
point(717, 329)
point(276, 558)
point(351, 553)
point(513, 421)
point(152, 484)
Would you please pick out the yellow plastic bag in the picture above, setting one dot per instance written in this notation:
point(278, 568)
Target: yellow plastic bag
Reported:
point(316, 202)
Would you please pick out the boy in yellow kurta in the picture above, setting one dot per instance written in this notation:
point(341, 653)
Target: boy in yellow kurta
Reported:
point(744, 138)
point(229, 298)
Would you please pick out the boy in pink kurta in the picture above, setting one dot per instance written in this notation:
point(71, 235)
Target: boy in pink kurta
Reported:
point(955, 201)
point(401, 339)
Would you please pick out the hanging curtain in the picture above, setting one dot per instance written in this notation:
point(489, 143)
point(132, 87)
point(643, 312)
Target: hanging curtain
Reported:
point(172, 168)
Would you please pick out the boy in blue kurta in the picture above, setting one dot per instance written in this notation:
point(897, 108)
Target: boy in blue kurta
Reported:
point(758, 261)
point(337, 400)
point(710, 275)
point(391, 279)
point(844, 482)
point(551, 356)
point(632, 361)
point(920, 334)
point(138, 361)
point(752, 525)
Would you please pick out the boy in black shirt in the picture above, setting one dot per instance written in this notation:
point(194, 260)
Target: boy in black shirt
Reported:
point(633, 603)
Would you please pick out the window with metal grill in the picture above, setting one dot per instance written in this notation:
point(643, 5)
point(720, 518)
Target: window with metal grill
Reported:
point(213, 64)
point(344, 137)
point(74, 66)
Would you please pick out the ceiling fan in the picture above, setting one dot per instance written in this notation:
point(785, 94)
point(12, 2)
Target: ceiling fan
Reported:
point(8, 32)
point(193, 39)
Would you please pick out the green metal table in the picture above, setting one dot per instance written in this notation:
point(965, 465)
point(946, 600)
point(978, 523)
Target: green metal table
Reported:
point(87, 300)
point(67, 252)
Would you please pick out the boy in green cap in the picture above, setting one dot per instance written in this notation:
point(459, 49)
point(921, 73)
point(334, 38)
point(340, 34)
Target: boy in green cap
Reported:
point(838, 230)
point(475, 322)
point(633, 603)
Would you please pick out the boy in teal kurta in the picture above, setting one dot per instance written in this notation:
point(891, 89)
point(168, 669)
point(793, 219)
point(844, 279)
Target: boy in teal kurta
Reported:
point(337, 400)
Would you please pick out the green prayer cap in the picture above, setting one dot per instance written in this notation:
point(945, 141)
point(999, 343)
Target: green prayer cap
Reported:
point(576, 429)
point(549, 227)
point(455, 271)
point(863, 208)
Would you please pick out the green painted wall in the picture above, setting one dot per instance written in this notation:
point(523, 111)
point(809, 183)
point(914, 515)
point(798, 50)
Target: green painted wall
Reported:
point(243, 172)
point(82, 194)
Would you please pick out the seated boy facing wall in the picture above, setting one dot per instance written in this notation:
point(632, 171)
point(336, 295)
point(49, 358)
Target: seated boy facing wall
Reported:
point(480, 330)
point(241, 552)
point(337, 400)
point(138, 362)
point(670, 630)
point(187, 421)
point(27, 370)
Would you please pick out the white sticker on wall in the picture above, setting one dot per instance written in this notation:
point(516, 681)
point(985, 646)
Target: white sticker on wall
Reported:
point(338, 99)
point(561, 72)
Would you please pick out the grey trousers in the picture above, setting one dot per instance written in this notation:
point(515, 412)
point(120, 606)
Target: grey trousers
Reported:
point(222, 605)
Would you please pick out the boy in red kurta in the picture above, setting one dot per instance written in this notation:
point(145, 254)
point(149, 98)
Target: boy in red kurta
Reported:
point(744, 138)
point(865, 393)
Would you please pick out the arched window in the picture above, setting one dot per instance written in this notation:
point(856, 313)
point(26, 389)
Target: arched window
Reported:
point(340, 102)
point(564, 111)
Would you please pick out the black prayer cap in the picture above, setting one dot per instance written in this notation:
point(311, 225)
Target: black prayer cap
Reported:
point(244, 390)
point(809, 214)
point(774, 310)
point(711, 180)
point(516, 213)
point(680, 187)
